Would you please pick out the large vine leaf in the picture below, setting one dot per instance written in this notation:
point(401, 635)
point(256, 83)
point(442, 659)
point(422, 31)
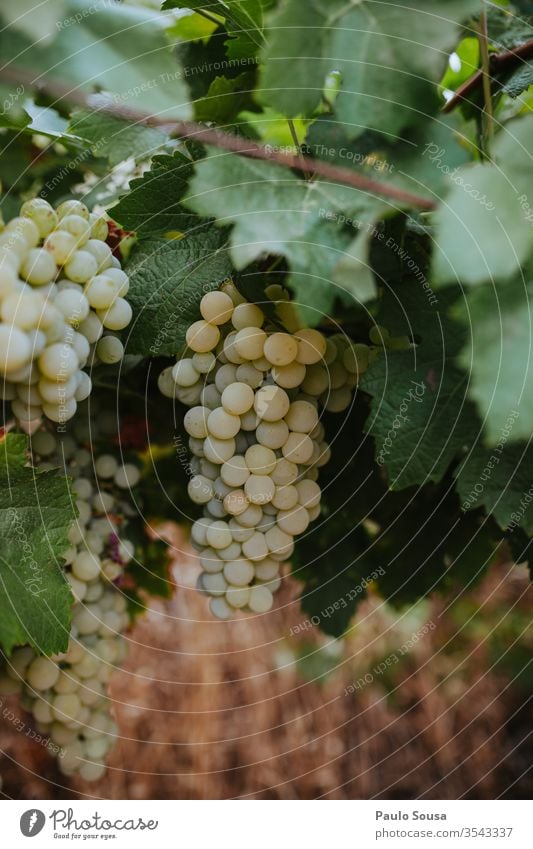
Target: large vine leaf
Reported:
point(36, 513)
point(100, 45)
point(498, 357)
point(389, 56)
point(483, 228)
point(114, 139)
point(420, 416)
point(500, 481)
point(168, 278)
point(243, 21)
point(153, 202)
point(273, 211)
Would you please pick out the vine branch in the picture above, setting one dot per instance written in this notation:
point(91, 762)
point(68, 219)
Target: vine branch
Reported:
point(498, 62)
point(223, 140)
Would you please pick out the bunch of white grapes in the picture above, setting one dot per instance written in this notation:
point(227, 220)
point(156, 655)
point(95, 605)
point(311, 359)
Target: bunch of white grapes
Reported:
point(67, 693)
point(257, 440)
point(60, 289)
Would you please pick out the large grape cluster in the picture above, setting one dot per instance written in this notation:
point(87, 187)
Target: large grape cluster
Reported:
point(67, 694)
point(60, 290)
point(257, 441)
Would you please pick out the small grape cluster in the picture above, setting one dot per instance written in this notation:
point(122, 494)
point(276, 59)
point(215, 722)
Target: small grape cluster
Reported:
point(60, 288)
point(67, 694)
point(256, 439)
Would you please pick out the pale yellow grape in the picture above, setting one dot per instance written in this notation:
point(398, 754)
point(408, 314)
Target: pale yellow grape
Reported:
point(279, 542)
point(26, 228)
point(220, 489)
point(195, 422)
point(15, 348)
point(289, 377)
point(261, 364)
point(54, 391)
point(239, 573)
point(199, 530)
point(285, 472)
point(259, 489)
point(199, 489)
point(78, 227)
point(231, 552)
point(337, 400)
point(239, 533)
point(379, 335)
point(272, 434)
point(109, 350)
point(267, 569)
point(281, 349)
point(101, 253)
point(66, 706)
point(216, 307)
point(218, 450)
point(117, 316)
point(237, 597)
point(22, 309)
point(189, 395)
point(229, 351)
point(247, 315)
point(249, 421)
point(215, 584)
point(204, 363)
point(120, 280)
point(73, 305)
point(210, 470)
point(235, 471)
point(41, 213)
point(260, 600)
point(236, 502)
point(223, 425)
point(81, 266)
point(210, 561)
point(101, 292)
point(294, 521)
point(298, 448)
point(13, 244)
point(311, 346)
point(25, 412)
point(202, 337)
point(355, 358)
point(80, 345)
point(247, 373)
point(314, 512)
point(72, 207)
point(38, 267)
point(196, 446)
point(285, 497)
point(84, 387)
point(309, 493)
point(86, 566)
point(260, 460)
point(249, 343)
point(184, 373)
point(220, 608)
point(256, 547)
point(238, 398)
point(58, 361)
point(42, 673)
point(210, 397)
point(271, 403)
point(225, 376)
point(127, 476)
point(337, 375)
point(251, 517)
point(325, 454)
point(92, 328)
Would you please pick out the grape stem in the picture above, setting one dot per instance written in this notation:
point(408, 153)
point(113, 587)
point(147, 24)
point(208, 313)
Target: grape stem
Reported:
point(218, 138)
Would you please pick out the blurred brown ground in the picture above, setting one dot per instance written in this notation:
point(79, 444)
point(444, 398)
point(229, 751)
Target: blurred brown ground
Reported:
point(223, 710)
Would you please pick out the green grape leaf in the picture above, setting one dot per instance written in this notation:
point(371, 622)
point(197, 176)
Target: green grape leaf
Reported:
point(398, 52)
point(36, 514)
point(420, 417)
point(153, 202)
point(498, 356)
point(275, 212)
point(483, 228)
point(224, 99)
point(168, 278)
point(499, 480)
point(111, 48)
point(243, 21)
point(519, 81)
point(114, 139)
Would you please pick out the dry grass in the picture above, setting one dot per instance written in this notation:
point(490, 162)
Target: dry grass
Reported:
point(215, 710)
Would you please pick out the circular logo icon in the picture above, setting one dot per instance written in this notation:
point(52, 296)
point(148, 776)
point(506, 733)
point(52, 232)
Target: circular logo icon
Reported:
point(32, 822)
